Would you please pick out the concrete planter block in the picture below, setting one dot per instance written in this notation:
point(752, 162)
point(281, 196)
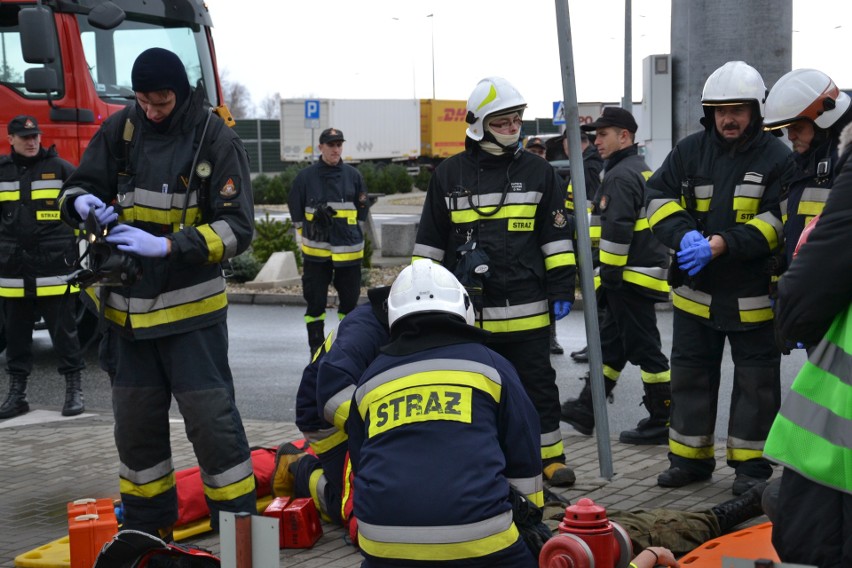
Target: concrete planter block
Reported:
point(279, 271)
point(398, 238)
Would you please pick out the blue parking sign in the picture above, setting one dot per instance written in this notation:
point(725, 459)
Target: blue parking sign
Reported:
point(312, 109)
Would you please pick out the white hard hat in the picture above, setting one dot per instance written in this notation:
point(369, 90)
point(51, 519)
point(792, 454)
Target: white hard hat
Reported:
point(805, 94)
point(426, 287)
point(735, 82)
point(492, 95)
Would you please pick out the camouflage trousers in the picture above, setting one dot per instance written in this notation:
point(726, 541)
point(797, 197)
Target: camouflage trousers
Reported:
point(679, 531)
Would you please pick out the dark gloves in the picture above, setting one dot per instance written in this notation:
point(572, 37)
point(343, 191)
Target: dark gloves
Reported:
point(527, 517)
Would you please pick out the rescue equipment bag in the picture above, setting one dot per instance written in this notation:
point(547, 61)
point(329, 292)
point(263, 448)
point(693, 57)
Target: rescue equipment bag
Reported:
point(134, 549)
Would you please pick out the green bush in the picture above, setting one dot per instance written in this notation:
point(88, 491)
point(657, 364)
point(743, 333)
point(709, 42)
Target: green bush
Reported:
point(423, 177)
point(272, 235)
point(259, 187)
point(244, 268)
point(397, 179)
point(287, 176)
point(372, 177)
point(276, 193)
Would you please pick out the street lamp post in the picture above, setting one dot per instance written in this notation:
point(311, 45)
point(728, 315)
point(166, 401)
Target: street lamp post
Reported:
point(433, 54)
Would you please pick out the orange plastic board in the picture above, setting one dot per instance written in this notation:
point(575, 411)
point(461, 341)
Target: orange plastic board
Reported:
point(56, 554)
point(751, 543)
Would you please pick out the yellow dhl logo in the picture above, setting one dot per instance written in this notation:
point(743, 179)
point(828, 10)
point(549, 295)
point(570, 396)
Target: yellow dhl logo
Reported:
point(420, 404)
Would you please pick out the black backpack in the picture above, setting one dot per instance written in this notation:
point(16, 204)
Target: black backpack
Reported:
point(134, 549)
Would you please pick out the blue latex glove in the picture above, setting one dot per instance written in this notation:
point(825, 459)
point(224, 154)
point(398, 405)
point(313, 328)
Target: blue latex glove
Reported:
point(690, 239)
point(105, 215)
point(561, 308)
point(137, 241)
point(695, 258)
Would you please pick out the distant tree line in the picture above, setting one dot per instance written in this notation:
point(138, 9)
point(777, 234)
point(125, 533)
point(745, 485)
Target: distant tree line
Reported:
point(239, 101)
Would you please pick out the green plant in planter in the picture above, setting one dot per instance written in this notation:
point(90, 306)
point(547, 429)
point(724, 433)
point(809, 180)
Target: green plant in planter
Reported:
point(272, 235)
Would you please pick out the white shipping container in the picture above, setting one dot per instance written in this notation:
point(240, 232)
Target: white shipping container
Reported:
point(374, 129)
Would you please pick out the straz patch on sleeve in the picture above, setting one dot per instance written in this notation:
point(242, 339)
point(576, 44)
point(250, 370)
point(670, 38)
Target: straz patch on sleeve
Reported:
point(420, 404)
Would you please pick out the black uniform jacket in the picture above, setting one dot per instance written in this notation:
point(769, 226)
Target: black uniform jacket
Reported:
point(36, 247)
point(817, 286)
point(146, 179)
point(512, 208)
point(629, 254)
point(731, 189)
point(338, 238)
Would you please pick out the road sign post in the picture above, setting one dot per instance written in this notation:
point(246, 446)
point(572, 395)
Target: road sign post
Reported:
point(312, 121)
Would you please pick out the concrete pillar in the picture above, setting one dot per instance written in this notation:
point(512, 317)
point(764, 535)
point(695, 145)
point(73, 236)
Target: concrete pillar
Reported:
point(708, 33)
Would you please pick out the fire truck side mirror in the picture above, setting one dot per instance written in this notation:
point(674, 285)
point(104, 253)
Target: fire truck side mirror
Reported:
point(38, 34)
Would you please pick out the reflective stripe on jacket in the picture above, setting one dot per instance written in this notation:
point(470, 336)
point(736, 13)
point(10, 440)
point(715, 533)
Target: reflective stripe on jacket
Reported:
point(437, 437)
point(186, 290)
point(705, 184)
point(37, 250)
point(812, 433)
point(342, 188)
point(514, 210)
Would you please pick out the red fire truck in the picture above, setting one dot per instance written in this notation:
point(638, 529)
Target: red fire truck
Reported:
point(68, 62)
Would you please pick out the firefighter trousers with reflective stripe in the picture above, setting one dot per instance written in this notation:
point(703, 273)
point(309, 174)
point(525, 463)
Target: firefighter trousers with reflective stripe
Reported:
point(193, 367)
point(316, 277)
point(517, 555)
point(329, 493)
point(531, 359)
point(629, 332)
point(814, 523)
point(58, 313)
point(697, 352)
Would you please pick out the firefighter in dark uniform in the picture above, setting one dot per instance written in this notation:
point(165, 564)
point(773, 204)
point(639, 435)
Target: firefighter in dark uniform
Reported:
point(814, 111)
point(495, 216)
point(630, 280)
point(557, 149)
point(812, 435)
point(715, 200)
point(322, 409)
point(440, 433)
point(536, 145)
point(179, 179)
point(37, 251)
point(328, 204)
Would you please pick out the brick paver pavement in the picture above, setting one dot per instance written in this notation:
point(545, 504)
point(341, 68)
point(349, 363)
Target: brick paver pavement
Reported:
point(44, 466)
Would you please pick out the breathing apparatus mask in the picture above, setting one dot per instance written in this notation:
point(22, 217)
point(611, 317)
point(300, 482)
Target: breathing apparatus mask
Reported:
point(101, 263)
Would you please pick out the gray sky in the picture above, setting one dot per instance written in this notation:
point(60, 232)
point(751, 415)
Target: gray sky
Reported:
point(382, 49)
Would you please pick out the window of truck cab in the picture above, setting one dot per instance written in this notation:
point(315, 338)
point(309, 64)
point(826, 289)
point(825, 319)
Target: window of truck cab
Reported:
point(110, 53)
point(12, 64)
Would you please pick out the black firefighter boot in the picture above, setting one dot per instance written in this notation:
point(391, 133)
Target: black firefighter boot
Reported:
point(578, 412)
point(316, 335)
point(653, 430)
point(16, 402)
point(740, 509)
point(555, 348)
point(73, 395)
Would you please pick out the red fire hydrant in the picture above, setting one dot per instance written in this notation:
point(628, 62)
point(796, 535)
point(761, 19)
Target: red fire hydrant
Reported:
point(587, 538)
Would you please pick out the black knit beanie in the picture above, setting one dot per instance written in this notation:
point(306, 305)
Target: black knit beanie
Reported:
point(158, 69)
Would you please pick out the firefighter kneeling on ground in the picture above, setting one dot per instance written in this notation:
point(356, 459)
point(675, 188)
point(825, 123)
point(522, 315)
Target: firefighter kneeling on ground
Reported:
point(395, 405)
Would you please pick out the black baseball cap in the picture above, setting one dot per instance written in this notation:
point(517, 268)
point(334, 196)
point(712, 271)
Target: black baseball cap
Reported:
point(613, 116)
point(331, 135)
point(23, 125)
point(535, 141)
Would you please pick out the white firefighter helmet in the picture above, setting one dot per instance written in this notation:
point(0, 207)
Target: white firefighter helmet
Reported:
point(735, 82)
point(427, 287)
point(805, 94)
point(492, 95)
